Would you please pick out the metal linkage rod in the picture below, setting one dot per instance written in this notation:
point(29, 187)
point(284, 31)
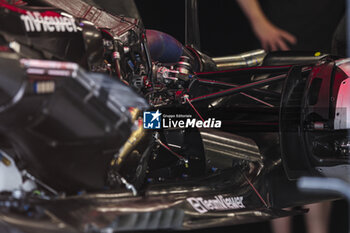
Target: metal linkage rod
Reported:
point(257, 91)
point(266, 93)
point(238, 89)
point(246, 70)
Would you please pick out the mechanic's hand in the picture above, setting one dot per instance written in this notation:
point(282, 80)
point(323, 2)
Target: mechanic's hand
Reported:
point(271, 37)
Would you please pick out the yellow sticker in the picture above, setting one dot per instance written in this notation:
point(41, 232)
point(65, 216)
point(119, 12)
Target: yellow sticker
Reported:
point(317, 54)
point(5, 161)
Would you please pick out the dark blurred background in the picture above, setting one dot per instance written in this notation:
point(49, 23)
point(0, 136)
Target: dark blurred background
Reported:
point(223, 27)
point(224, 31)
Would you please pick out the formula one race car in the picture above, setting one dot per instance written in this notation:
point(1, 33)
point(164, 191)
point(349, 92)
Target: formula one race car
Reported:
point(106, 126)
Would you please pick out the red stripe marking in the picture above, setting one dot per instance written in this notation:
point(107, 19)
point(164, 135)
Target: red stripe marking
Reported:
point(87, 12)
point(22, 11)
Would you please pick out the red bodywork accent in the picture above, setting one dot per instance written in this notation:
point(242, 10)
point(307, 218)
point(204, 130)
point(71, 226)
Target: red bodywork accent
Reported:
point(12, 8)
point(344, 66)
point(16, 9)
point(4, 49)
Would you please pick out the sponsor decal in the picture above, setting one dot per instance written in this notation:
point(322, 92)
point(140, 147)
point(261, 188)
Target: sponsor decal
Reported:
point(36, 22)
point(219, 203)
point(155, 120)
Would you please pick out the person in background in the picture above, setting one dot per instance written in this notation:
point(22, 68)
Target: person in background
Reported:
point(270, 36)
point(316, 220)
point(294, 24)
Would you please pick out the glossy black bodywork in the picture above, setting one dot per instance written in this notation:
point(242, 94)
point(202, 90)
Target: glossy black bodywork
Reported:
point(160, 207)
point(84, 46)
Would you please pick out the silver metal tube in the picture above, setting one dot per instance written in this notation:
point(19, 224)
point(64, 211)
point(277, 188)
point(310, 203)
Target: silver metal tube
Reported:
point(221, 148)
point(248, 59)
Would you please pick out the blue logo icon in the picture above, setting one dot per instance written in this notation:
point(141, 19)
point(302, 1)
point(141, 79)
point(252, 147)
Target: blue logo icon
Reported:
point(151, 120)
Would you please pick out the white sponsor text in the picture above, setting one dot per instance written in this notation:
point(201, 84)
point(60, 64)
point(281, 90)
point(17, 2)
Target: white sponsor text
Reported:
point(218, 203)
point(34, 22)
